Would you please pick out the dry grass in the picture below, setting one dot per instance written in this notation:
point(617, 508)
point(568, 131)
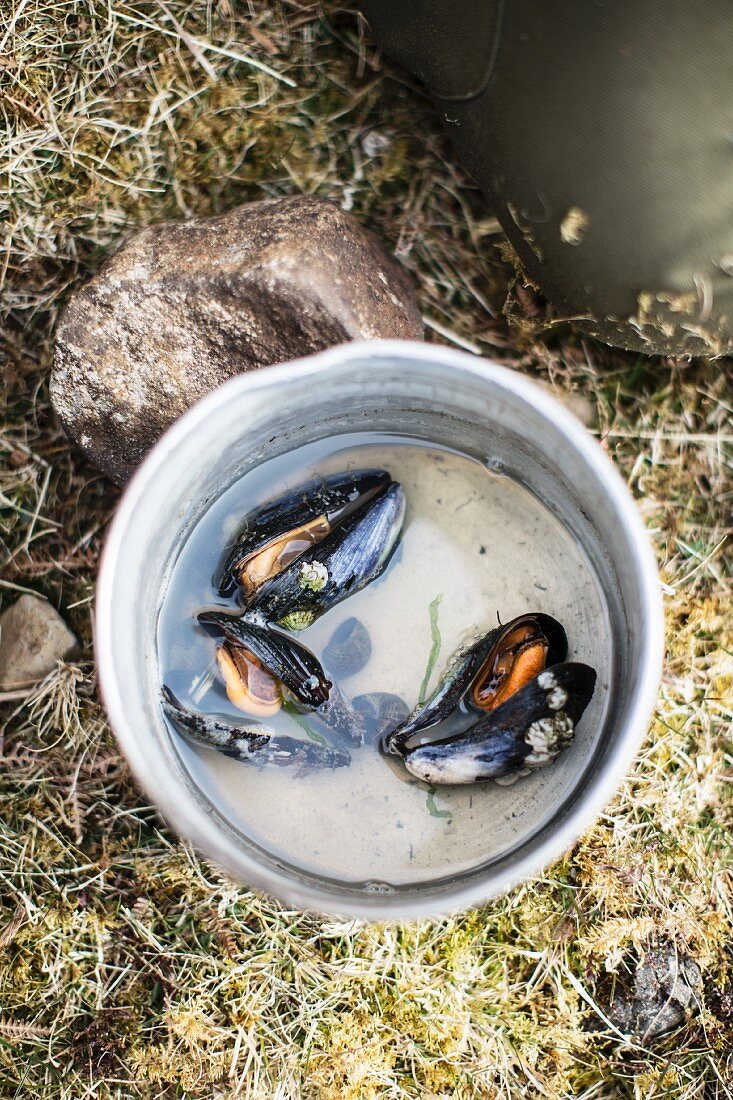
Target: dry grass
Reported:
point(127, 966)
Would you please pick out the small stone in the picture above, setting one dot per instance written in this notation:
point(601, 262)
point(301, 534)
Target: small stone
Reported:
point(665, 992)
point(33, 637)
point(349, 648)
point(381, 712)
point(183, 306)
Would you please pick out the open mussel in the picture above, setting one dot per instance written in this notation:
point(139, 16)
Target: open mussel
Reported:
point(273, 536)
point(528, 730)
point(483, 675)
point(260, 662)
point(251, 746)
point(354, 554)
point(522, 649)
point(518, 702)
point(285, 658)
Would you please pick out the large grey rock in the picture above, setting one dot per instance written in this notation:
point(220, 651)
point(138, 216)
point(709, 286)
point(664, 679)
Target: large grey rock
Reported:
point(33, 637)
point(185, 305)
point(665, 991)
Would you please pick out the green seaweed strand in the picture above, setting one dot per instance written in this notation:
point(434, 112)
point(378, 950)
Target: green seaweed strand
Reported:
point(434, 648)
point(295, 714)
point(433, 806)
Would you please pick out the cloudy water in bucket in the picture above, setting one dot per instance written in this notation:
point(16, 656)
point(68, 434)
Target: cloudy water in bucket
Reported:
point(476, 548)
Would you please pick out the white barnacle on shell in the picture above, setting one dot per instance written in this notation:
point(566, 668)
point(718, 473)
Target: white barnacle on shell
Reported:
point(313, 575)
point(557, 698)
point(547, 737)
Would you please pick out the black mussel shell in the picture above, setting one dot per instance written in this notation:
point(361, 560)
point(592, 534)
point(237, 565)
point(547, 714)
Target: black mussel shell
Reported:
point(307, 756)
point(463, 671)
point(381, 712)
point(355, 553)
point(288, 660)
point(349, 648)
point(250, 746)
point(207, 730)
point(529, 730)
point(332, 496)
